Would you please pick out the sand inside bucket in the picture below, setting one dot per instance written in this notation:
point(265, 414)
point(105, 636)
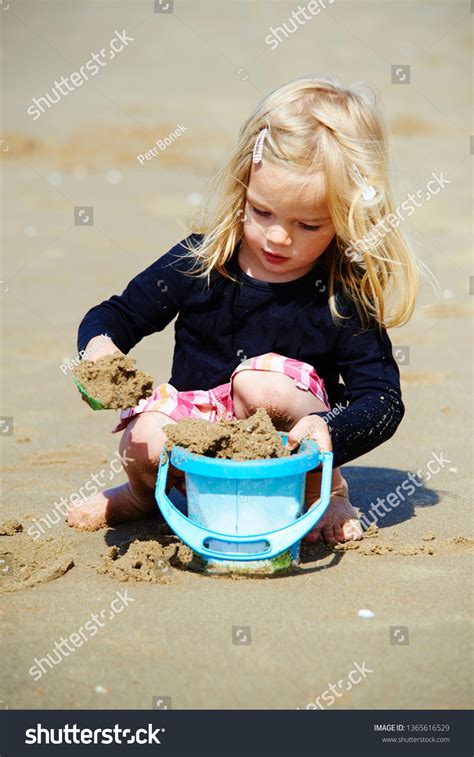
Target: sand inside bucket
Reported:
point(114, 381)
point(253, 438)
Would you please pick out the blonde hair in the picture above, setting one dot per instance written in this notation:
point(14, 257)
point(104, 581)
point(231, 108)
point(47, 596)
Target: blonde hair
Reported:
point(313, 125)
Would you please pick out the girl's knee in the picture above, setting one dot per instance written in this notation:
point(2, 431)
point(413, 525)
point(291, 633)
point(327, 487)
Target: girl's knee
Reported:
point(259, 388)
point(284, 401)
point(252, 389)
point(143, 439)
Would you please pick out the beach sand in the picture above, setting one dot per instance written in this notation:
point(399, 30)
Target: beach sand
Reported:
point(177, 635)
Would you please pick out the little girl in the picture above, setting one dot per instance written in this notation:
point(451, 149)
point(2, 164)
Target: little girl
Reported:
point(286, 289)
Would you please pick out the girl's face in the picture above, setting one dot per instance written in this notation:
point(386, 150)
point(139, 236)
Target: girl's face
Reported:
point(284, 234)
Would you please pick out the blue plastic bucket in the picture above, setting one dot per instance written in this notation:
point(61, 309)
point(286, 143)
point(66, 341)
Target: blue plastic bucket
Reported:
point(245, 516)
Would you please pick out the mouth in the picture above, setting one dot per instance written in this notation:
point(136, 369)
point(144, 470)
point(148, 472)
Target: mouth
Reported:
point(273, 258)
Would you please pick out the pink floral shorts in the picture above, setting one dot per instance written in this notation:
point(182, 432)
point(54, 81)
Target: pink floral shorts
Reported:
point(216, 404)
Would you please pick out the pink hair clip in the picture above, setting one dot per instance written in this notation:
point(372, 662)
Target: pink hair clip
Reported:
point(258, 147)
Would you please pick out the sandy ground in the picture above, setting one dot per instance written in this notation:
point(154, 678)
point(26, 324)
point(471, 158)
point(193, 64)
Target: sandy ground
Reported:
point(174, 638)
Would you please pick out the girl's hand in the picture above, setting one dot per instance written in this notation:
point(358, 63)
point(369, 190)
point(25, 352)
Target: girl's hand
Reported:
point(311, 426)
point(97, 347)
point(100, 346)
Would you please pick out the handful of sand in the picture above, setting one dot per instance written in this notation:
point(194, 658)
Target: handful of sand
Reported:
point(253, 438)
point(113, 382)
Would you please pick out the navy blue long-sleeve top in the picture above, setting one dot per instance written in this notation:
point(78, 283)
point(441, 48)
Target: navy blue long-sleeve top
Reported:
point(221, 324)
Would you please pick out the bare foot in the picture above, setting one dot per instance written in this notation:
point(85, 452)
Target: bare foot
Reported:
point(109, 507)
point(340, 522)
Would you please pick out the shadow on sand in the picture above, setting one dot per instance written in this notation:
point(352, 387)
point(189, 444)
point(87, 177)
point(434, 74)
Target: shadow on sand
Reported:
point(369, 488)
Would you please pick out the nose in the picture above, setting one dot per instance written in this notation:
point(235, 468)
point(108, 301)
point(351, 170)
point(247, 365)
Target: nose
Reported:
point(278, 235)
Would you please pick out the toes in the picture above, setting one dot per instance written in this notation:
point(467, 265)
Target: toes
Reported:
point(71, 519)
point(339, 534)
point(313, 536)
point(328, 535)
point(75, 522)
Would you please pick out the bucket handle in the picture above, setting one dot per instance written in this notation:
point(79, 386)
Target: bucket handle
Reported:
point(278, 541)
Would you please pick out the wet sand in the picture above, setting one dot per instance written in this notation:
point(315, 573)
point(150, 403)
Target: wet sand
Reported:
point(254, 438)
point(113, 382)
point(175, 637)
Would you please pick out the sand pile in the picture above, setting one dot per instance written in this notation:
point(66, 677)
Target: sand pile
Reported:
point(10, 527)
point(25, 562)
point(149, 561)
point(249, 439)
point(114, 381)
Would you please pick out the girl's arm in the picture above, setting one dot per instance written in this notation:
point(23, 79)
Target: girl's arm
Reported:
point(372, 389)
point(148, 304)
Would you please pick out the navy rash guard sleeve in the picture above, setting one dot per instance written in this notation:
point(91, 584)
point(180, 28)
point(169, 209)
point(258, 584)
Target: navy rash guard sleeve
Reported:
point(148, 304)
point(372, 394)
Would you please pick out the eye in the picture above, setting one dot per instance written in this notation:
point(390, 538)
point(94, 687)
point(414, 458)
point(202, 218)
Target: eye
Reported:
point(266, 213)
point(260, 212)
point(310, 228)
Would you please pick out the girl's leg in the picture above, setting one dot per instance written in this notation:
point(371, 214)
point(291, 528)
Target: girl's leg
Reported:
point(140, 449)
point(287, 404)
